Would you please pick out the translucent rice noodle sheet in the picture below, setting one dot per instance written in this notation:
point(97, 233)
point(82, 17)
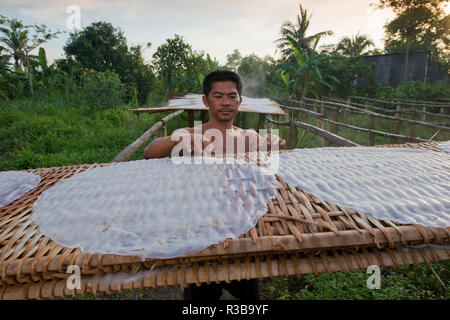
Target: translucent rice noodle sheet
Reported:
point(400, 184)
point(154, 208)
point(445, 146)
point(14, 184)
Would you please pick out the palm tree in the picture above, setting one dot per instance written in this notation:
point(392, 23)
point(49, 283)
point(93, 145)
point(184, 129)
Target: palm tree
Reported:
point(355, 46)
point(14, 37)
point(298, 33)
point(309, 70)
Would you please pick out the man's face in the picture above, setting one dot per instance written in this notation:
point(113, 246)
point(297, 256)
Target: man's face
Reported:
point(223, 101)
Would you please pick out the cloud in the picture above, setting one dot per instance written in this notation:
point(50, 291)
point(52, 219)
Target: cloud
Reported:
point(217, 27)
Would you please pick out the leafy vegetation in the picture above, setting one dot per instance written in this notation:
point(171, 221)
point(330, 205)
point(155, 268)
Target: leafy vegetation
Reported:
point(402, 283)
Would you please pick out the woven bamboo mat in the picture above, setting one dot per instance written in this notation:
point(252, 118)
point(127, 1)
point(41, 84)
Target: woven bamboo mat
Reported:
point(297, 223)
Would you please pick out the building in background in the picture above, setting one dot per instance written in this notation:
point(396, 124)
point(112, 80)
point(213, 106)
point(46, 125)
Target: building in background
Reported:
point(388, 68)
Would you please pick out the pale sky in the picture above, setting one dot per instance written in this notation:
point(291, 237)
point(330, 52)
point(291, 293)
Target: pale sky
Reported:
point(216, 27)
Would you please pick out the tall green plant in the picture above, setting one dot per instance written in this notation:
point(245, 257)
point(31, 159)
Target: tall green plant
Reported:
point(298, 32)
point(310, 70)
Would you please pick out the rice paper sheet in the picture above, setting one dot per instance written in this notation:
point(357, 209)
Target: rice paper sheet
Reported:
point(403, 185)
point(154, 208)
point(14, 185)
point(445, 146)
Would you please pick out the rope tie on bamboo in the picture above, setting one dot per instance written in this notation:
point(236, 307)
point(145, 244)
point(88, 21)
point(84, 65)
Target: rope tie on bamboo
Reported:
point(312, 262)
point(412, 253)
point(379, 257)
point(85, 264)
point(424, 256)
point(195, 274)
point(434, 255)
point(422, 232)
point(25, 290)
point(296, 265)
point(269, 267)
point(348, 260)
point(2, 292)
point(367, 256)
point(282, 262)
point(393, 257)
point(323, 255)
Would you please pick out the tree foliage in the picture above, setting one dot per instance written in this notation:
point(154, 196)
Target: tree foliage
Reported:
point(102, 47)
point(418, 25)
point(298, 32)
point(355, 46)
point(171, 59)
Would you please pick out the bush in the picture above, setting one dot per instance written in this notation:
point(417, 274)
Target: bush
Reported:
point(101, 90)
point(416, 90)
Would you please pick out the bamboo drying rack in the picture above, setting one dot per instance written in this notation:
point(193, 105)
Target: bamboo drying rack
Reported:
point(299, 234)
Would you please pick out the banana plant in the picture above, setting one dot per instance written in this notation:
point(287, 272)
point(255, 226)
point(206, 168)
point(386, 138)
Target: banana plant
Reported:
point(309, 70)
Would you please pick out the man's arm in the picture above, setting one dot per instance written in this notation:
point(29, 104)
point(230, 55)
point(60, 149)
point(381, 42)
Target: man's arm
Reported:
point(162, 147)
point(159, 148)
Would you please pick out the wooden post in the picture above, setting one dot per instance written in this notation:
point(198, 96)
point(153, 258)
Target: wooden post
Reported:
point(334, 127)
point(371, 127)
point(398, 123)
point(291, 132)
point(261, 120)
point(204, 115)
point(423, 114)
point(237, 119)
point(320, 140)
point(412, 132)
point(244, 120)
point(191, 118)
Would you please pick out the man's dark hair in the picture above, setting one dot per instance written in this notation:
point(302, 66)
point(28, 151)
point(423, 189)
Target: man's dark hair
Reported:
point(221, 75)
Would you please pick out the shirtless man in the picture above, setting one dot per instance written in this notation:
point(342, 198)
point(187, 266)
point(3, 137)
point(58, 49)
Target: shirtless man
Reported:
point(222, 96)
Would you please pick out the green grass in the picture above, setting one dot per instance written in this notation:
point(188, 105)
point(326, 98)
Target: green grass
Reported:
point(413, 283)
point(46, 132)
point(36, 133)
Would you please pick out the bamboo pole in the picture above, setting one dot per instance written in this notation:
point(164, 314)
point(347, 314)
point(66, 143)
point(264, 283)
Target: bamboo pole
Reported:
point(405, 102)
point(371, 128)
point(319, 124)
point(326, 134)
point(378, 115)
point(126, 153)
point(381, 133)
point(366, 106)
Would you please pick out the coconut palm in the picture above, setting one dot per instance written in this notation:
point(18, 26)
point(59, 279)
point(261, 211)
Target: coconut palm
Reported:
point(355, 46)
point(309, 71)
point(14, 38)
point(298, 33)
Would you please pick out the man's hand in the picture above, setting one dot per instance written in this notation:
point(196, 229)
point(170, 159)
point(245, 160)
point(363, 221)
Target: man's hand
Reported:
point(274, 142)
point(194, 142)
